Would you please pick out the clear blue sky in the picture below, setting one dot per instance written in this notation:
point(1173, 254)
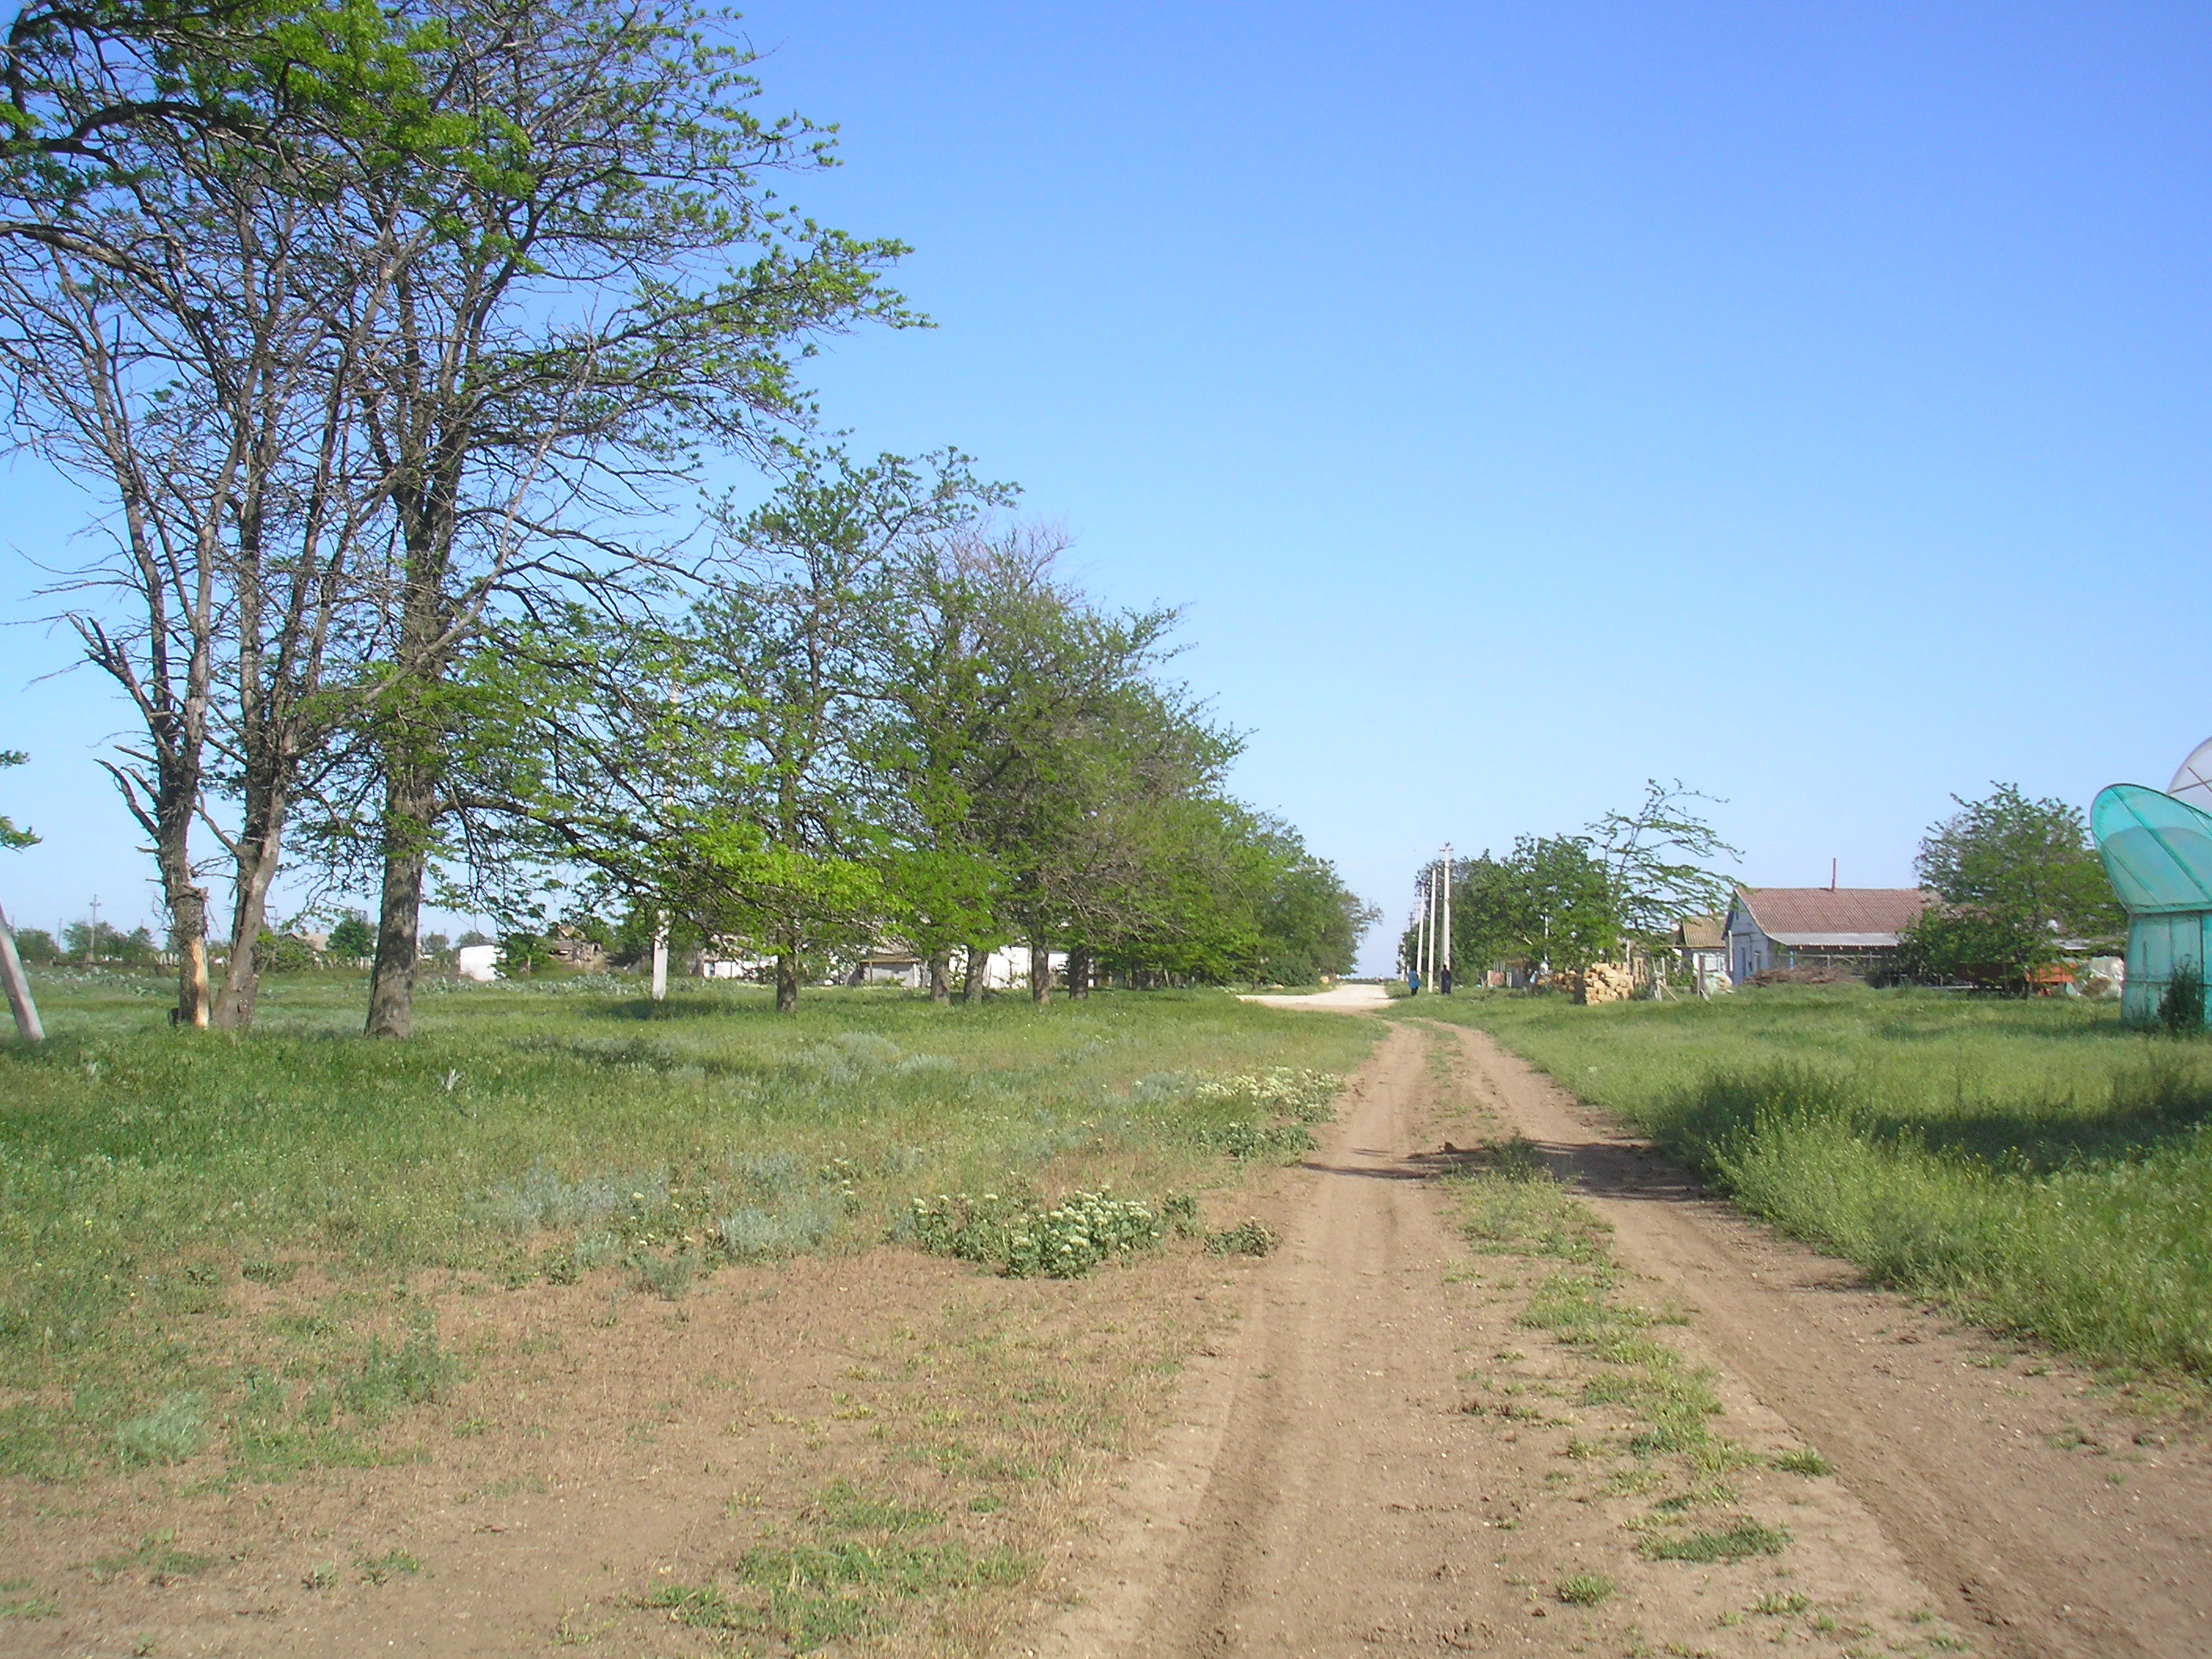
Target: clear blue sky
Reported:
point(1811, 403)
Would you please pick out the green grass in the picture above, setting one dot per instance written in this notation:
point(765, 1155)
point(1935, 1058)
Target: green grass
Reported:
point(150, 1180)
point(856, 1563)
point(1510, 1204)
point(2031, 1164)
point(1584, 1589)
point(1739, 1540)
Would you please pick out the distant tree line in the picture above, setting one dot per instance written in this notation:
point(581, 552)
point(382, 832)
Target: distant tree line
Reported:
point(389, 339)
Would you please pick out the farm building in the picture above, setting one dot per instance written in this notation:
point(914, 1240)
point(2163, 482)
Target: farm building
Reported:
point(1850, 928)
point(1701, 947)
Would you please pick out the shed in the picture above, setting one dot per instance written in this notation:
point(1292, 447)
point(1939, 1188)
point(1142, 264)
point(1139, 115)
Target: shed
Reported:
point(1701, 945)
point(1851, 927)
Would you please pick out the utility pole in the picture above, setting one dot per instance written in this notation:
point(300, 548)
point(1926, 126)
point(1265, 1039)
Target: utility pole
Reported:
point(19, 987)
point(1420, 928)
point(92, 939)
point(1447, 910)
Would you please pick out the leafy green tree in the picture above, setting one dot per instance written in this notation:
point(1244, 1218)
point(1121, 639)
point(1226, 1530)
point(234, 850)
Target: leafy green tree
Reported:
point(600, 291)
point(100, 941)
point(1658, 861)
point(36, 947)
point(2015, 876)
point(352, 937)
point(1309, 923)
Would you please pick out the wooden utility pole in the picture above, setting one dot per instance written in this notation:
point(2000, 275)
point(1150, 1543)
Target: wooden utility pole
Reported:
point(19, 987)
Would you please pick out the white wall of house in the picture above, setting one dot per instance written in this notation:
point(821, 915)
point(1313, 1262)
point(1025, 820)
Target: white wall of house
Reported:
point(1749, 950)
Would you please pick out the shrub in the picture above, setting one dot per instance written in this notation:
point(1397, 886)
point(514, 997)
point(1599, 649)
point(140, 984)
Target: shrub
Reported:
point(1022, 1242)
point(2181, 1004)
point(1248, 1238)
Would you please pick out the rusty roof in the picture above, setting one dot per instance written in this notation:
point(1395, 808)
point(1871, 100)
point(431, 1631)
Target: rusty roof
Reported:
point(1859, 915)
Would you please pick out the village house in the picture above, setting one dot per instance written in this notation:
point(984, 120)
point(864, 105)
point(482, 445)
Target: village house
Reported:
point(1701, 947)
point(1853, 928)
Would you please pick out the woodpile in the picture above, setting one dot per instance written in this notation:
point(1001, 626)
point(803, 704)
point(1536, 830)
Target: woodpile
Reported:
point(1601, 983)
point(1607, 982)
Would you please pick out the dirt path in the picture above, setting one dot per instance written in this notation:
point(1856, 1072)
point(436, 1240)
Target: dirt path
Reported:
point(1355, 998)
point(1386, 1456)
point(2030, 1507)
point(1331, 1487)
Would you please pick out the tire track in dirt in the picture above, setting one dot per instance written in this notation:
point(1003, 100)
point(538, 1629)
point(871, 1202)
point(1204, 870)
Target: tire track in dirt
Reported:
point(1332, 1488)
point(2000, 1488)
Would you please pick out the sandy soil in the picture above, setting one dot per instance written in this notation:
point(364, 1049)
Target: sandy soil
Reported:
point(1338, 999)
point(1328, 1487)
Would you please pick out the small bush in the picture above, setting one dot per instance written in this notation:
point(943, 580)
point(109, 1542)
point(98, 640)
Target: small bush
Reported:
point(2181, 1004)
point(1248, 1238)
point(413, 1374)
point(1022, 1242)
point(1241, 1139)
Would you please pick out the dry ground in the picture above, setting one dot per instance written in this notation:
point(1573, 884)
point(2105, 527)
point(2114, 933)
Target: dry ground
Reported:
point(1355, 1445)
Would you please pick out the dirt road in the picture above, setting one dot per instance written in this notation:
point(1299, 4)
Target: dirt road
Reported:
point(1335, 1483)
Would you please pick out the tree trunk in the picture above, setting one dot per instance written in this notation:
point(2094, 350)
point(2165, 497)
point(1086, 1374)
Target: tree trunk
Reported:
point(409, 806)
point(1078, 971)
point(787, 980)
point(19, 987)
point(188, 939)
point(184, 899)
point(940, 978)
point(258, 854)
point(1040, 972)
point(979, 969)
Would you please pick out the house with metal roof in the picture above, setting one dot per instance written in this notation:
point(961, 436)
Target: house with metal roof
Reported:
point(1855, 928)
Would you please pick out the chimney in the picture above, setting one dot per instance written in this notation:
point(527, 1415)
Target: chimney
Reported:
point(1832, 874)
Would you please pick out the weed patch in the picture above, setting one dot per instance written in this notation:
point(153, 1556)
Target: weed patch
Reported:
point(1584, 1589)
point(1020, 1240)
point(1739, 1540)
point(1250, 1237)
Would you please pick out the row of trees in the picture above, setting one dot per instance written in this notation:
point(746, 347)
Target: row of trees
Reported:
point(386, 334)
point(886, 715)
point(1564, 902)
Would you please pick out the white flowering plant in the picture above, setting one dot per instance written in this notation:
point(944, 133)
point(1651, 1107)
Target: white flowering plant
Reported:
point(1022, 1239)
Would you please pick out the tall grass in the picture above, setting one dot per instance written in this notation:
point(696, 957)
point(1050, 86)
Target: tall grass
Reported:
point(2032, 1164)
point(536, 1132)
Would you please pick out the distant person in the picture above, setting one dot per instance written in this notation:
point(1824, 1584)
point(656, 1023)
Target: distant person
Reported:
point(1412, 985)
point(1443, 979)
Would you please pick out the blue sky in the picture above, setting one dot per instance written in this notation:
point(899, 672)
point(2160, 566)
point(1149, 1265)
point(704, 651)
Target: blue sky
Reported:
point(1808, 403)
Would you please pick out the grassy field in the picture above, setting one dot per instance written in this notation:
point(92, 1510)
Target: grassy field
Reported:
point(151, 1184)
point(2031, 1164)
